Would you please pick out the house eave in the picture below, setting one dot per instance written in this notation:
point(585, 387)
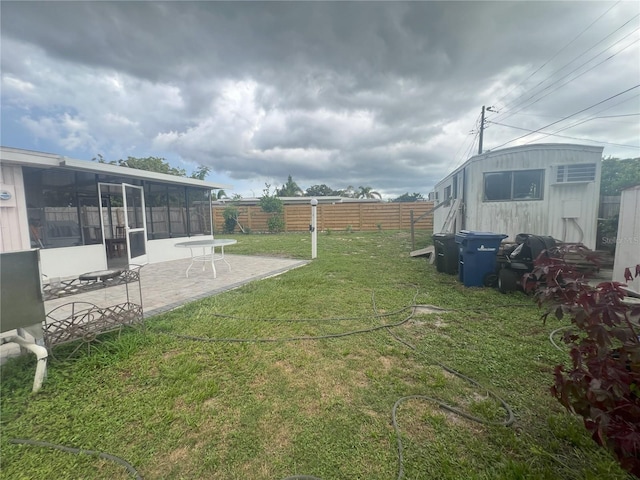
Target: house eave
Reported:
point(520, 148)
point(18, 156)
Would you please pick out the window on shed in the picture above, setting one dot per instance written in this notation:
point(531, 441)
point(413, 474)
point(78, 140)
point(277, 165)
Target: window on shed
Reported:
point(580, 172)
point(513, 185)
point(527, 185)
point(497, 186)
point(447, 193)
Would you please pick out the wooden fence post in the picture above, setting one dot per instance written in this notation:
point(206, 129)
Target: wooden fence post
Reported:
point(413, 238)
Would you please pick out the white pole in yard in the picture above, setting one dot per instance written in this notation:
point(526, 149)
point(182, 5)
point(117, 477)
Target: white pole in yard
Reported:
point(313, 230)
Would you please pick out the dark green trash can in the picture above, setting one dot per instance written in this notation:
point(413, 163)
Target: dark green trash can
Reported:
point(446, 252)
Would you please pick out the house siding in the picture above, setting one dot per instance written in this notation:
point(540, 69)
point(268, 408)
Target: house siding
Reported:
point(567, 211)
point(628, 238)
point(14, 227)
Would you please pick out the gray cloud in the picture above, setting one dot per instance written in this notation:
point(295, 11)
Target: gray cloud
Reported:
point(380, 94)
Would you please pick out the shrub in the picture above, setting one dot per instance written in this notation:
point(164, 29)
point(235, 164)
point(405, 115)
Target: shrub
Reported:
point(230, 215)
point(607, 232)
point(603, 383)
point(270, 203)
point(275, 224)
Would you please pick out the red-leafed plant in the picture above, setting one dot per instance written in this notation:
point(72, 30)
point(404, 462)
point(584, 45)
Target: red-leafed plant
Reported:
point(603, 383)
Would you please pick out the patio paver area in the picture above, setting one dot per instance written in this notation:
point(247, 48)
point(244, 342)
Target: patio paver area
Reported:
point(164, 286)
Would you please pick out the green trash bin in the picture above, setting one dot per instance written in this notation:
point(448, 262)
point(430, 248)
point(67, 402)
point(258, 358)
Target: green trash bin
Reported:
point(446, 252)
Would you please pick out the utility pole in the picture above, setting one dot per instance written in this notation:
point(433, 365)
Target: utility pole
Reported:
point(481, 131)
point(488, 109)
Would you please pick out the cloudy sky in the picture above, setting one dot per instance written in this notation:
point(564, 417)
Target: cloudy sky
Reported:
point(383, 95)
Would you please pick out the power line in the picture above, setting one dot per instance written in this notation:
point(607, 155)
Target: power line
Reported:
point(566, 136)
point(471, 147)
point(459, 162)
point(573, 79)
point(569, 116)
point(616, 116)
point(558, 52)
point(555, 116)
point(595, 113)
point(576, 58)
point(590, 119)
point(467, 150)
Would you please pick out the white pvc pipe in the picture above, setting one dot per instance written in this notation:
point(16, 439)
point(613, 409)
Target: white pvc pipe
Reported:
point(41, 354)
point(314, 232)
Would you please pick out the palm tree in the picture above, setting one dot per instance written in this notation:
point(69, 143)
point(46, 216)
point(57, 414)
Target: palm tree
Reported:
point(290, 189)
point(368, 192)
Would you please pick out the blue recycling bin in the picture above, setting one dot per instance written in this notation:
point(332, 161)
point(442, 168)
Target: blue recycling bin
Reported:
point(478, 252)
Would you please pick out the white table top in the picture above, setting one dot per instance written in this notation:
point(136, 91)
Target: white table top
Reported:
point(216, 242)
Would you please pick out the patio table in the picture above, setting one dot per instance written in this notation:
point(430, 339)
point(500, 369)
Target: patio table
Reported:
point(208, 252)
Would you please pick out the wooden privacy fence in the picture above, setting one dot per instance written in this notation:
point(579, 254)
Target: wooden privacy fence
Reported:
point(609, 206)
point(338, 216)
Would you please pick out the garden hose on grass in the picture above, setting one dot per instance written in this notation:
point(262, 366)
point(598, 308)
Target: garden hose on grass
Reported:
point(295, 339)
point(79, 451)
point(302, 477)
point(551, 335)
point(412, 307)
point(507, 422)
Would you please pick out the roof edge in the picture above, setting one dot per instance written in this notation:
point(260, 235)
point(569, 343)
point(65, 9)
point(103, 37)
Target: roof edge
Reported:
point(32, 158)
point(522, 148)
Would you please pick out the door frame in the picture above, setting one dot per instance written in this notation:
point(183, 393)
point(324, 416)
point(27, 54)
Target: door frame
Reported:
point(122, 191)
point(140, 259)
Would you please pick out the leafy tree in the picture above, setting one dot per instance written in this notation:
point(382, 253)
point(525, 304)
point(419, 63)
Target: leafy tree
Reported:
point(201, 172)
point(616, 176)
point(406, 197)
point(270, 203)
point(154, 164)
point(368, 192)
point(290, 189)
point(348, 192)
point(619, 174)
point(320, 191)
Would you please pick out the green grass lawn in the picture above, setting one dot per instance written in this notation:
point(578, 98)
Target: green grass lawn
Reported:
point(179, 408)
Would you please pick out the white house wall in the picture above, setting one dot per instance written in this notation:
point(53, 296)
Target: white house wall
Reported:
point(443, 210)
point(567, 211)
point(164, 250)
point(628, 238)
point(14, 226)
point(68, 262)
